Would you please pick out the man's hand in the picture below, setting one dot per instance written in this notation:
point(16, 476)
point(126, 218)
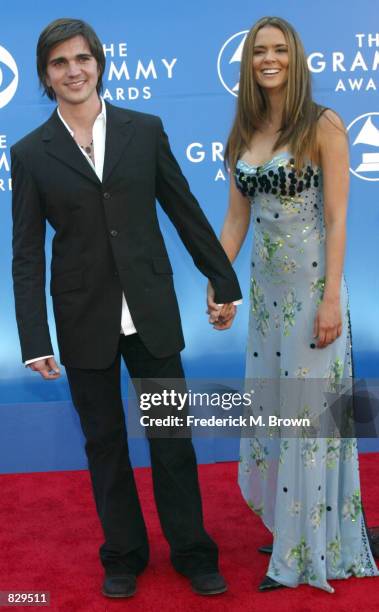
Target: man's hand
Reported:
point(221, 317)
point(47, 368)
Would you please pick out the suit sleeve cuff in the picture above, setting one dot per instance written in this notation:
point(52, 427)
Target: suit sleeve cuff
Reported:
point(236, 303)
point(29, 361)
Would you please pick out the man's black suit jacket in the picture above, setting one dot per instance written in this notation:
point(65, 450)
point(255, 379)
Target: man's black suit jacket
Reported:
point(107, 240)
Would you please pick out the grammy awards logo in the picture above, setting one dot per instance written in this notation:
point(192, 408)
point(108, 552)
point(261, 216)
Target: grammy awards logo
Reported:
point(229, 60)
point(8, 77)
point(364, 135)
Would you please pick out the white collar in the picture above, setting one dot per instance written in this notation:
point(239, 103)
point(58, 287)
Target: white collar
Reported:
point(102, 115)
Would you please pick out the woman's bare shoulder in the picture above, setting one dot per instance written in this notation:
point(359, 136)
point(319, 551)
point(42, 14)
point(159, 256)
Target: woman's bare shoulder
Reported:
point(330, 122)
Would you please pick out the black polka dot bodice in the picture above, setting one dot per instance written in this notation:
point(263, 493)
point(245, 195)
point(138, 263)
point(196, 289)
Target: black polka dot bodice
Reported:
point(277, 177)
point(287, 210)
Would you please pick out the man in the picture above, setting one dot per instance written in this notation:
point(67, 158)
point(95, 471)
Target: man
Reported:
point(93, 172)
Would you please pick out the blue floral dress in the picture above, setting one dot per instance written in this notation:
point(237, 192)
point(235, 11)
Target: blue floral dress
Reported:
point(305, 489)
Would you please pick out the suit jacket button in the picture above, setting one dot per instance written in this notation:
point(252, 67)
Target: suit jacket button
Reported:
point(114, 233)
point(106, 195)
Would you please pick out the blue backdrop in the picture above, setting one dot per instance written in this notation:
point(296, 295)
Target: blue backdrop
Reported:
point(181, 61)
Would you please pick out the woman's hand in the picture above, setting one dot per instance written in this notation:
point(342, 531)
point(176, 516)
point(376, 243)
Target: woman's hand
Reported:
point(328, 322)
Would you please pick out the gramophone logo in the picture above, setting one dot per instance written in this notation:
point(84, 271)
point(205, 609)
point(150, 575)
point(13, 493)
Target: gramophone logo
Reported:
point(364, 135)
point(8, 77)
point(229, 60)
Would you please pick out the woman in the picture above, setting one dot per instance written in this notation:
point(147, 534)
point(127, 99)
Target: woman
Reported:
point(289, 164)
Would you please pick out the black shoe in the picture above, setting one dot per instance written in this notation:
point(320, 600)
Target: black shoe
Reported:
point(268, 584)
point(267, 550)
point(373, 537)
point(120, 586)
point(209, 584)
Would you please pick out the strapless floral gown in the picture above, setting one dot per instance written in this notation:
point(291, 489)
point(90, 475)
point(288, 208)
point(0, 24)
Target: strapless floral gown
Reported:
point(306, 490)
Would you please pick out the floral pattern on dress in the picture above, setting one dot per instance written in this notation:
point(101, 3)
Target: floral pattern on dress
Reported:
point(245, 466)
point(317, 288)
point(274, 263)
point(352, 506)
point(316, 514)
point(335, 374)
point(348, 448)
point(296, 508)
point(333, 446)
point(260, 311)
point(333, 551)
point(291, 204)
point(288, 265)
point(302, 556)
point(305, 413)
point(269, 248)
point(309, 449)
point(301, 372)
point(290, 306)
point(357, 568)
point(284, 444)
point(259, 453)
point(274, 430)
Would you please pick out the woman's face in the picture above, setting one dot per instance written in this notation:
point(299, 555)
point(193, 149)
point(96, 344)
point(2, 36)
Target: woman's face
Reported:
point(270, 58)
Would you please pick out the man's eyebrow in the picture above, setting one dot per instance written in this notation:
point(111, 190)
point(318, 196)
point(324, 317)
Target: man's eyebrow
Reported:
point(56, 59)
point(61, 57)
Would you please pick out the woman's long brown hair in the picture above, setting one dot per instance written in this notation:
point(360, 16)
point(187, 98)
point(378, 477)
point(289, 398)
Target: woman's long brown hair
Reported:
point(300, 113)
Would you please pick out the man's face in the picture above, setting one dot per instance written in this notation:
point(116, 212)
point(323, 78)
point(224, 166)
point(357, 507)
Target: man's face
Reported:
point(72, 72)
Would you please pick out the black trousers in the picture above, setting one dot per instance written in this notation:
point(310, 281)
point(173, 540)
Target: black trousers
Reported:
point(96, 395)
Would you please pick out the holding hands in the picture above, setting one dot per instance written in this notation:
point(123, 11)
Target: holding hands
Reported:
point(46, 367)
point(221, 316)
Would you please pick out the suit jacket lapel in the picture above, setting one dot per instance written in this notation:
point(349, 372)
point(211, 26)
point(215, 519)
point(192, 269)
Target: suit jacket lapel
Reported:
point(60, 144)
point(120, 130)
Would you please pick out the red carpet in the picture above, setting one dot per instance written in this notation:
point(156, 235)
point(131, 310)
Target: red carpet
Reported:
point(50, 535)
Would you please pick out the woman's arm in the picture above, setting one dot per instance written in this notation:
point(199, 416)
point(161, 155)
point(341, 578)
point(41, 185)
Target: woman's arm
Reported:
point(233, 233)
point(334, 161)
point(236, 222)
